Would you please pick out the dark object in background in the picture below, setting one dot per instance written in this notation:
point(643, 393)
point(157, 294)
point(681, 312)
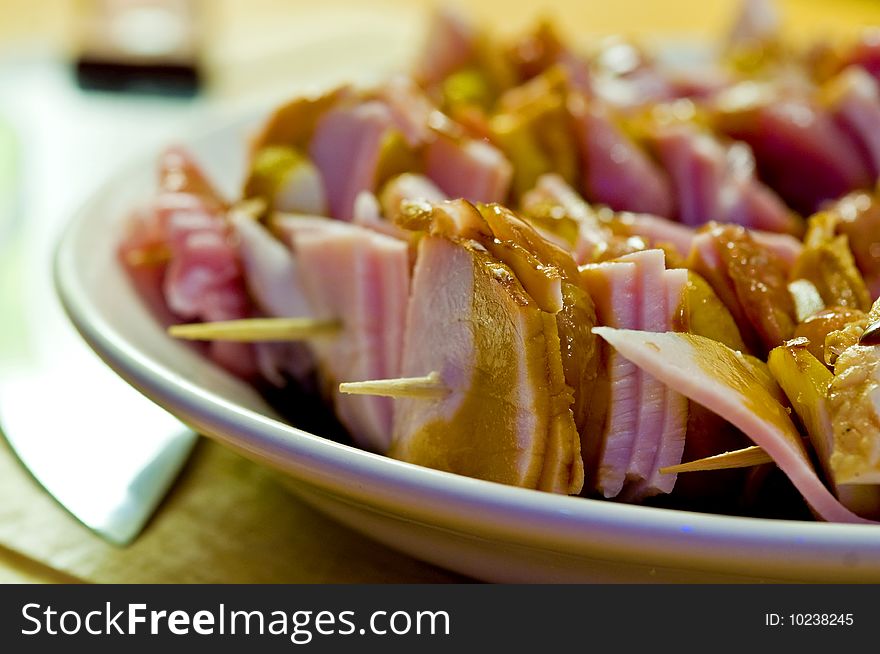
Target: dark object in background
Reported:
point(138, 46)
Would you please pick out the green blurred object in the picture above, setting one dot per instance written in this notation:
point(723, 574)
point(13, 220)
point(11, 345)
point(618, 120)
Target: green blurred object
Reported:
point(13, 340)
point(8, 181)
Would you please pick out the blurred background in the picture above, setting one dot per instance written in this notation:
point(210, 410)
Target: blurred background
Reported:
point(86, 84)
point(75, 75)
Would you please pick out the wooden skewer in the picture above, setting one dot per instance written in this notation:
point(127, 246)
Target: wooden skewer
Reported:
point(255, 330)
point(429, 386)
point(745, 458)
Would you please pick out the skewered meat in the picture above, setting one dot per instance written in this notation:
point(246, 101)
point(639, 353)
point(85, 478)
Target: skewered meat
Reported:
point(468, 168)
point(617, 172)
point(488, 364)
point(498, 355)
point(801, 152)
point(726, 382)
point(716, 183)
point(361, 279)
point(645, 424)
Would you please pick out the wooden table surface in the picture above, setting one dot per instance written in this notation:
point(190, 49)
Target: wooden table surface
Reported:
point(227, 519)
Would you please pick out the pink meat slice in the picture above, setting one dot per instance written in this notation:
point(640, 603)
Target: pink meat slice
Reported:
point(672, 439)
point(718, 378)
point(614, 289)
point(617, 172)
point(203, 279)
point(717, 182)
point(663, 414)
point(801, 152)
point(468, 168)
point(273, 281)
point(346, 148)
point(360, 278)
point(757, 23)
point(450, 44)
point(855, 106)
point(411, 110)
point(204, 282)
point(656, 230)
point(652, 317)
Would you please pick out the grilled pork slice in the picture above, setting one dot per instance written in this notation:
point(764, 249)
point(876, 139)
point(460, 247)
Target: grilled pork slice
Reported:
point(274, 282)
point(468, 168)
point(645, 425)
point(716, 182)
point(732, 386)
point(548, 275)
point(203, 277)
point(617, 173)
point(506, 416)
point(450, 44)
point(801, 152)
point(854, 398)
point(828, 264)
point(361, 279)
point(859, 215)
point(855, 411)
point(853, 98)
point(752, 281)
point(806, 382)
point(353, 146)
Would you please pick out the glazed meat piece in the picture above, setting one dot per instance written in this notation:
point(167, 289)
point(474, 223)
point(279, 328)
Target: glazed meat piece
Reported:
point(853, 402)
point(286, 180)
point(806, 382)
point(751, 280)
point(819, 326)
point(859, 215)
point(532, 126)
point(827, 263)
point(507, 414)
point(293, 123)
point(855, 413)
point(408, 187)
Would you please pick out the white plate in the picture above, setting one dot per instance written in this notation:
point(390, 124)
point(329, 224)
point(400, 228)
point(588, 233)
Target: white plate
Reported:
point(478, 528)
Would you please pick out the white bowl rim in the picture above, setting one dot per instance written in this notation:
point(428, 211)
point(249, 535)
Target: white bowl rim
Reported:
point(612, 530)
